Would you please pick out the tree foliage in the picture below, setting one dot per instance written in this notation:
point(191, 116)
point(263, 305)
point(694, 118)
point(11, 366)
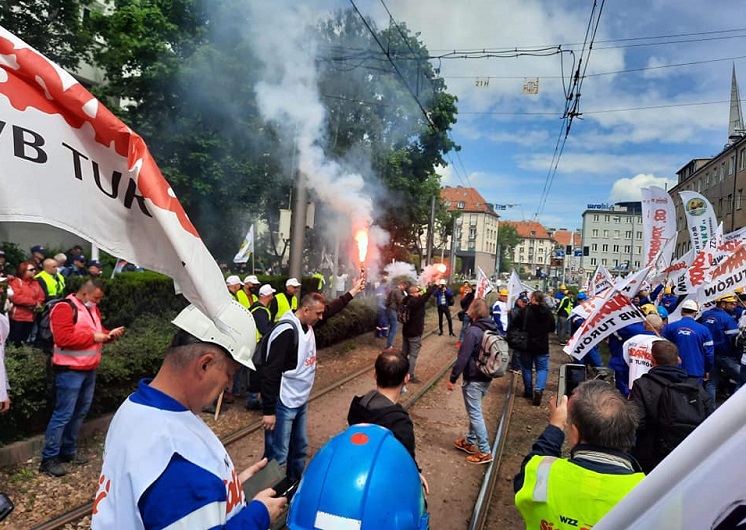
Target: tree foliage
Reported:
point(56, 28)
point(507, 240)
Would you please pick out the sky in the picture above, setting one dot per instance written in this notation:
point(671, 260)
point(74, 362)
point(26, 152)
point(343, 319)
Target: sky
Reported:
point(637, 128)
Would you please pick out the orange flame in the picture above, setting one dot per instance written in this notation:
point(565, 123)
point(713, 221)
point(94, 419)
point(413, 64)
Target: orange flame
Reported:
point(362, 244)
point(441, 268)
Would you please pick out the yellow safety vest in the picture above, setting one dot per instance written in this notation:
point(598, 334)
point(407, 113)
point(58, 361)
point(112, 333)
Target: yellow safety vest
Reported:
point(269, 316)
point(241, 298)
point(283, 305)
point(560, 495)
point(320, 278)
point(55, 284)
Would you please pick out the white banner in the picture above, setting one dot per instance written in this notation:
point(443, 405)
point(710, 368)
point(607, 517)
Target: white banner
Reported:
point(658, 222)
point(514, 288)
point(67, 161)
point(698, 272)
point(607, 316)
point(699, 485)
point(663, 262)
point(247, 247)
point(725, 277)
point(632, 283)
point(484, 285)
point(600, 281)
point(700, 218)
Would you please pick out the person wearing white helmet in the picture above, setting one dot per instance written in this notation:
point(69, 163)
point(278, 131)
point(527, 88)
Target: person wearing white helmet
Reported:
point(251, 287)
point(163, 467)
point(693, 340)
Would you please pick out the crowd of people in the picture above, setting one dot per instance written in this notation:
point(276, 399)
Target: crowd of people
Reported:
point(617, 432)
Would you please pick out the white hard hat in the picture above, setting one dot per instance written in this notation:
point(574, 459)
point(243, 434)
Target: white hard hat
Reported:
point(237, 333)
point(690, 305)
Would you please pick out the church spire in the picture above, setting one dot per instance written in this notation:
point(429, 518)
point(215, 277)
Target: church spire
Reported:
point(735, 124)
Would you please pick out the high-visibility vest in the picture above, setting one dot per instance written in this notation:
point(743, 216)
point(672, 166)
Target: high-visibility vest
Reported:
point(284, 305)
point(88, 320)
point(55, 284)
point(240, 297)
point(251, 297)
point(320, 279)
point(561, 495)
point(254, 307)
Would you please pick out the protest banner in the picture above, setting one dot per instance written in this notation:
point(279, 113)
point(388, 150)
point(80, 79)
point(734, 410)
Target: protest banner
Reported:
point(658, 223)
point(700, 219)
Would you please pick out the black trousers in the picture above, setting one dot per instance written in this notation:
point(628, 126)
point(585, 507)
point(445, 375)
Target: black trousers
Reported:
point(445, 310)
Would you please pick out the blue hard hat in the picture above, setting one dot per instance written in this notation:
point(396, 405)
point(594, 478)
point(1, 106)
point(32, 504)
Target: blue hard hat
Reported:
point(662, 312)
point(363, 478)
point(582, 296)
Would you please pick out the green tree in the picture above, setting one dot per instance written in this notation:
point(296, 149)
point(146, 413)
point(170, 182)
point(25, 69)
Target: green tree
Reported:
point(507, 240)
point(56, 28)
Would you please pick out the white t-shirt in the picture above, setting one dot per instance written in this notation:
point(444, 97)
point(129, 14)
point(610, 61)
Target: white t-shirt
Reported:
point(340, 282)
point(638, 354)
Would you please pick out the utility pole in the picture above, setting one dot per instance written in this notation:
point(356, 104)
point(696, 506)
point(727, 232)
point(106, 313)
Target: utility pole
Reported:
point(453, 247)
point(431, 233)
point(298, 227)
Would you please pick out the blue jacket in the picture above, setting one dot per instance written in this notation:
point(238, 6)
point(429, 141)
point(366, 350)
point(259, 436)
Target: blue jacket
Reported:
point(617, 340)
point(695, 345)
point(444, 298)
point(723, 329)
point(670, 301)
point(496, 317)
point(466, 362)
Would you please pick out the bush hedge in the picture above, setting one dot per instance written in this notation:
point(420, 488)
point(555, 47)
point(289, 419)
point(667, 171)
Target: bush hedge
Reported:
point(145, 303)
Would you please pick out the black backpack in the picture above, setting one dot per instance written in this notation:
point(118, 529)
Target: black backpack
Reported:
point(403, 314)
point(260, 354)
point(681, 409)
point(44, 333)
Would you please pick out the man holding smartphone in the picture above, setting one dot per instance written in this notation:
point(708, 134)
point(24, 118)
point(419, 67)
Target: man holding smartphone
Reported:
point(552, 491)
point(78, 336)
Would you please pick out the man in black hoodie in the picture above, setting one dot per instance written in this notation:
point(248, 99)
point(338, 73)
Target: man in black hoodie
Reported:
point(381, 406)
point(475, 384)
point(414, 326)
point(646, 393)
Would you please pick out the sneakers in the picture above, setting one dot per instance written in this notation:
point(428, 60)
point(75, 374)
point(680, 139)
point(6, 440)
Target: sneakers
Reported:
point(451, 334)
point(537, 397)
point(479, 458)
point(414, 380)
point(465, 446)
point(76, 459)
point(52, 467)
point(440, 333)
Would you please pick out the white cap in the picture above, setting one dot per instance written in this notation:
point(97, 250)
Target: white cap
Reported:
point(691, 305)
point(266, 289)
point(292, 282)
point(251, 279)
point(237, 333)
point(233, 280)
point(442, 282)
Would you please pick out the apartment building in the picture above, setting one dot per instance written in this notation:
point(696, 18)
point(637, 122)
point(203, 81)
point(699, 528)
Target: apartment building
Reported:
point(475, 230)
point(533, 255)
point(613, 235)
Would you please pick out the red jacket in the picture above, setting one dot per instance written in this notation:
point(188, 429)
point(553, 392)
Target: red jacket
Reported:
point(26, 294)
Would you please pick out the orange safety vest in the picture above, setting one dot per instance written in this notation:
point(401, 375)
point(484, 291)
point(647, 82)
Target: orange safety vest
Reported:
point(89, 358)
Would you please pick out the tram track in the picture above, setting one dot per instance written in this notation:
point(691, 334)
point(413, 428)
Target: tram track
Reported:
point(482, 503)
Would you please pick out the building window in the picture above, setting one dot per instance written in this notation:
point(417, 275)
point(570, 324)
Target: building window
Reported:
point(594, 247)
point(604, 262)
point(461, 205)
point(594, 233)
point(639, 250)
point(615, 248)
point(472, 245)
point(616, 234)
point(722, 171)
point(720, 207)
point(627, 248)
point(628, 234)
point(732, 164)
point(739, 198)
point(593, 261)
point(639, 235)
point(707, 180)
point(595, 217)
point(604, 248)
point(730, 203)
point(607, 218)
point(541, 259)
point(473, 219)
point(699, 186)
point(472, 232)
point(606, 233)
point(742, 159)
point(616, 263)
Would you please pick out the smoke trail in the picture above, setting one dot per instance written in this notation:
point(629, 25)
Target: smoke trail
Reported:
point(399, 270)
point(289, 98)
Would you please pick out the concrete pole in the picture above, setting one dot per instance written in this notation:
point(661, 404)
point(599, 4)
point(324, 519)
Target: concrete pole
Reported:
point(298, 227)
point(453, 248)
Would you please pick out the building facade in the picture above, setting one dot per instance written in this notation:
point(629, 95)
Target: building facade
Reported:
point(533, 255)
point(613, 235)
point(474, 239)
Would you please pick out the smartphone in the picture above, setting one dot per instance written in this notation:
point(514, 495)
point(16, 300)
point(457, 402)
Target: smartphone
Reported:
point(570, 376)
point(6, 506)
point(266, 478)
point(285, 488)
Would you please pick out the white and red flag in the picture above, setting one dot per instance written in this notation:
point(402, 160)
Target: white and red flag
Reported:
point(484, 285)
point(607, 315)
point(658, 223)
point(67, 161)
point(515, 287)
point(600, 281)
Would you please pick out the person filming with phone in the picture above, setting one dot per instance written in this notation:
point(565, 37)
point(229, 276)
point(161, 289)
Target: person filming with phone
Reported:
point(577, 492)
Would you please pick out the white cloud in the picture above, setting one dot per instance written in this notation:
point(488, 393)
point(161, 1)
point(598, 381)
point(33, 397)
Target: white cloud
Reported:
point(628, 189)
point(581, 165)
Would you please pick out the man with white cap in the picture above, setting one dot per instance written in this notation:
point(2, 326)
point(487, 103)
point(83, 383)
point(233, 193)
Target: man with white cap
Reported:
point(286, 301)
point(693, 340)
point(263, 321)
point(234, 285)
point(163, 467)
point(250, 284)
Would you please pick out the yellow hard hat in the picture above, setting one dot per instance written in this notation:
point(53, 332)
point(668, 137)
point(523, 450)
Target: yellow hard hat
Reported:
point(739, 290)
point(563, 287)
point(648, 309)
point(503, 292)
point(667, 290)
point(727, 298)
